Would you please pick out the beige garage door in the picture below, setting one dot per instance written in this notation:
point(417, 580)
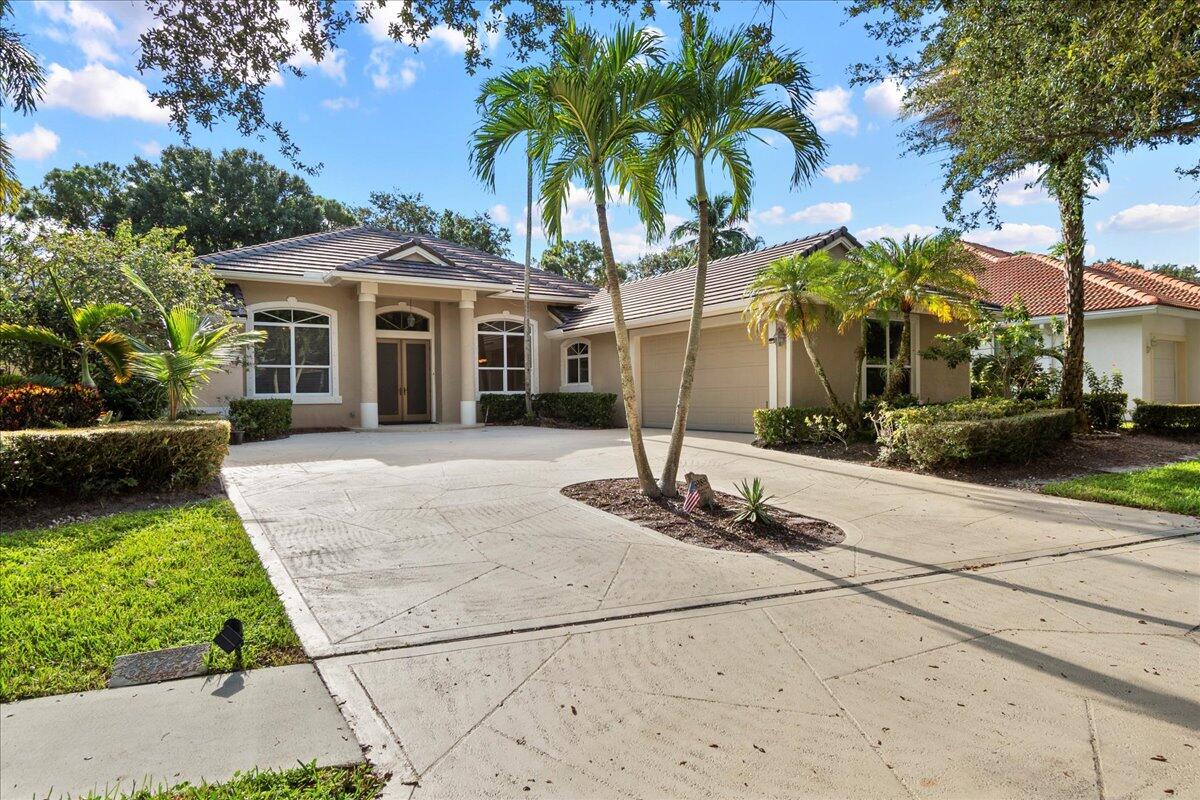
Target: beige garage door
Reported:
point(731, 380)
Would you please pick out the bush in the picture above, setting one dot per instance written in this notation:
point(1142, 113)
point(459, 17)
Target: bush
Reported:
point(111, 458)
point(501, 407)
point(1015, 438)
point(585, 409)
point(872, 404)
point(1166, 417)
point(892, 426)
point(31, 406)
point(136, 399)
point(260, 418)
point(1105, 410)
point(784, 426)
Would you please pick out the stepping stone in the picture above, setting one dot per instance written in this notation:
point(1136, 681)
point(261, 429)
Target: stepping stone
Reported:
point(159, 665)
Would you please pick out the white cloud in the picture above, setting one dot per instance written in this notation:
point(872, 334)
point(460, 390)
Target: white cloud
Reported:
point(1017, 236)
point(387, 76)
point(895, 231)
point(451, 40)
point(830, 110)
point(886, 98)
point(836, 213)
point(103, 31)
point(34, 144)
point(844, 173)
point(454, 41)
point(499, 212)
point(1153, 218)
point(97, 91)
point(151, 148)
point(339, 103)
point(1020, 189)
point(332, 66)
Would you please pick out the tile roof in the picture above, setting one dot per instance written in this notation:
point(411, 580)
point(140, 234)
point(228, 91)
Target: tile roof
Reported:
point(672, 292)
point(359, 250)
point(1041, 282)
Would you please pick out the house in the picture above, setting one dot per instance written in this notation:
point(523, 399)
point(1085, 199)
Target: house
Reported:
point(367, 326)
point(1145, 324)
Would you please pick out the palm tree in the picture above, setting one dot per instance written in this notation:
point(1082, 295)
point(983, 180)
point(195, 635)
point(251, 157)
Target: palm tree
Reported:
point(727, 237)
point(729, 93)
point(799, 293)
point(512, 104)
point(91, 332)
point(196, 346)
point(931, 274)
point(604, 93)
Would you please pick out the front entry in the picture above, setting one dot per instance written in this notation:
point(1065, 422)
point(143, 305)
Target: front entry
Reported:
point(403, 366)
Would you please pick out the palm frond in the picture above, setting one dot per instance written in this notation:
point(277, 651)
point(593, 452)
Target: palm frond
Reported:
point(32, 334)
point(91, 317)
point(117, 352)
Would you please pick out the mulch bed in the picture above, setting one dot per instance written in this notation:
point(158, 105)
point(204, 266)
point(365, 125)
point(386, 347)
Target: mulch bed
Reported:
point(50, 512)
point(713, 528)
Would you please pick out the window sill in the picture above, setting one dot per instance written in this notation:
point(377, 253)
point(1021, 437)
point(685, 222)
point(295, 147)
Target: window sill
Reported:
point(301, 399)
point(575, 387)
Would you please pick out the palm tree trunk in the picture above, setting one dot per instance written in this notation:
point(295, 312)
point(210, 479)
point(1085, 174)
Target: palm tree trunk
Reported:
point(528, 258)
point(692, 350)
point(85, 371)
point(1068, 187)
point(628, 392)
point(896, 374)
point(860, 355)
point(839, 410)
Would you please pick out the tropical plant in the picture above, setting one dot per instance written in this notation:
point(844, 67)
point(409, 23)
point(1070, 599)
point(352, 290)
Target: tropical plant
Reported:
point(726, 234)
point(753, 506)
point(732, 90)
point(930, 274)
point(197, 345)
point(799, 293)
point(91, 333)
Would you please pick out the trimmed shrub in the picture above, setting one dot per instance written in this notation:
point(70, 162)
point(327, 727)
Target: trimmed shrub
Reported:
point(585, 409)
point(495, 408)
point(31, 406)
point(1166, 417)
point(784, 426)
point(1105, 410)
point(1016, 438)
point(112, 458)
point(261, 418)
point(133, 400)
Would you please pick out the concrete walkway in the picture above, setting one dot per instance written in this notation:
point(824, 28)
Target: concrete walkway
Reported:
point(964, 640)
point(196, 729)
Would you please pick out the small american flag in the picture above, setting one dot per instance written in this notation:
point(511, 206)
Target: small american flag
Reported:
point(692, 501)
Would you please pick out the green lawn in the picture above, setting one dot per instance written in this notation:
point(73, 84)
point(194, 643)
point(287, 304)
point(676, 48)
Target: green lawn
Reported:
point(1174, 488)
point(77, 596)
point(302, 783)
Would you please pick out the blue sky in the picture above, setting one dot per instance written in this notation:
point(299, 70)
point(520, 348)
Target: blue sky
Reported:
point(380, 115)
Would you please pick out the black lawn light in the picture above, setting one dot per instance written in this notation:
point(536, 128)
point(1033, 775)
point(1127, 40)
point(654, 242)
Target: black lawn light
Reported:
point(230, 638)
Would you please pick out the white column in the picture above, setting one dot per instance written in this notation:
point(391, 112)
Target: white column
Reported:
point(368, 377)
point(773, 370)
point(787, 373)
point(466, 344)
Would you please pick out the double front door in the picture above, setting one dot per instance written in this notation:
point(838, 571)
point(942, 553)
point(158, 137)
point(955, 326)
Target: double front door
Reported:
point(403, 366)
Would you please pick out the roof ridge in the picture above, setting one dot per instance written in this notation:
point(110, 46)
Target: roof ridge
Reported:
point(272, 245)
point(1170, 280)
point(1100, 280)
point(982, 250)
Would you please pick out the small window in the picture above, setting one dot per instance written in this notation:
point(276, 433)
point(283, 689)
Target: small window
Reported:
point(402, 321)
point(295, 358)
point(579, 363)
point(883, 347)
point(501, 360)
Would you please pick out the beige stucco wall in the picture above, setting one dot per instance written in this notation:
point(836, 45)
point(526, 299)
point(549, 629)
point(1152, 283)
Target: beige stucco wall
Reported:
point(937, 382)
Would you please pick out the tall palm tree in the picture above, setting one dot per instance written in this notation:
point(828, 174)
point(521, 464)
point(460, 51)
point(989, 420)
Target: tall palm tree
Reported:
point(799, 294)
point(604, 92)
point(930, 274)
point(91, 332)
point(196, 347)
point(726, 235)
point(513, 103)
point(731, 90)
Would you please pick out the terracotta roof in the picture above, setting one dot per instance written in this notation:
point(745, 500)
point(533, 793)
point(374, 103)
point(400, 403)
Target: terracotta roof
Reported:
point(1041, 283)
point(361, 250)
point(672, 291)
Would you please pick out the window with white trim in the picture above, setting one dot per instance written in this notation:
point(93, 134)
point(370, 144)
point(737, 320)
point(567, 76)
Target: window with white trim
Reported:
point(883, 347)
point(579, 363)
point(501, 356)
point(296, 357)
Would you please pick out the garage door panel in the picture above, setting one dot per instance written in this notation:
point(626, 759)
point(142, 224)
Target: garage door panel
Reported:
point(730, 381)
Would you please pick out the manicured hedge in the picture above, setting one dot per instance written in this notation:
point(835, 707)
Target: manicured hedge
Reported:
point(260, 418)
point(495, 408)
point(585, 409)
point(1105, 410)
point(1167, 417)
point(31, 406)
point(784, 426)
point(112, 458)
point(1016, 438)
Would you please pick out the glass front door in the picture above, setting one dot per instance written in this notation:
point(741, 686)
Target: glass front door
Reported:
point(403, 380)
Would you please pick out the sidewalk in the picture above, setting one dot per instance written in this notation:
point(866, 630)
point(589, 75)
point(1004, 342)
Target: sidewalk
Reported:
point(195, 729)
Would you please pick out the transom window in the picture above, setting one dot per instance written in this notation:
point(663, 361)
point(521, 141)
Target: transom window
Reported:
point(296, 356)
point(401, 321)
point(883, 347)
point(501, 356)
point(579, 363)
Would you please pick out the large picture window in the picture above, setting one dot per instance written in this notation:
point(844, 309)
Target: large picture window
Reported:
point(296, 357)
point(501, 356)
point(883, 347)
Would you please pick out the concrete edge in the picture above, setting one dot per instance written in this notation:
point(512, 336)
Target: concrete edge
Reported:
point(380, 746)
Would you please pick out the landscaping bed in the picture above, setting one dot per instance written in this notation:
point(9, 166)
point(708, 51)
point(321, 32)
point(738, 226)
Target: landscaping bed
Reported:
point(43, 512)
point(715, 528)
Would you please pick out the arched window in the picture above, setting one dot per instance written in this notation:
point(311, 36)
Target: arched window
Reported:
point(406, 320)
point(296, 357)
point(579, 364)
point(501, 356)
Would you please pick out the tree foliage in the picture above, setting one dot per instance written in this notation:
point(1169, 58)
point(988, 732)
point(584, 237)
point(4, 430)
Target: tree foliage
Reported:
point(727, 233)
point(660, 262)
point(578, 260)
point(21, 85)
point(408, 213)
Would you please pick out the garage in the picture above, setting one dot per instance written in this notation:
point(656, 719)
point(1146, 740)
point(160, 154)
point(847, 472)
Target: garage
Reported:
point(731, 379)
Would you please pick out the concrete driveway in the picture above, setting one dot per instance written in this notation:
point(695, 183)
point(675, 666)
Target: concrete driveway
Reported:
point(489, 637)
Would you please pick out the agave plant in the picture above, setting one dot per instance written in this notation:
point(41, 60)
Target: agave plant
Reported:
point(754, 499)
point(196, 346)
point(91, 333)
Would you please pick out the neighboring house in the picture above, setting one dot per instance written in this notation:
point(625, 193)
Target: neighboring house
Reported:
point(1145, 324)
point(368, 326)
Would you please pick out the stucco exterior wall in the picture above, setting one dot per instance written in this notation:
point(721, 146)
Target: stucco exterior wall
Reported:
point(937, 382)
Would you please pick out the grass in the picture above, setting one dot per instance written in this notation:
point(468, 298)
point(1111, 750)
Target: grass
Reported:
point(302, 783)
point(77, 596)
point(1174, 488)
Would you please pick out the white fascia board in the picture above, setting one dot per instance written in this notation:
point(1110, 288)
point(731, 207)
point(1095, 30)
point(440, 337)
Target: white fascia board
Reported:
point(647, 322)
point(1105, 314)
point(267, 277)
point(335, 277)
